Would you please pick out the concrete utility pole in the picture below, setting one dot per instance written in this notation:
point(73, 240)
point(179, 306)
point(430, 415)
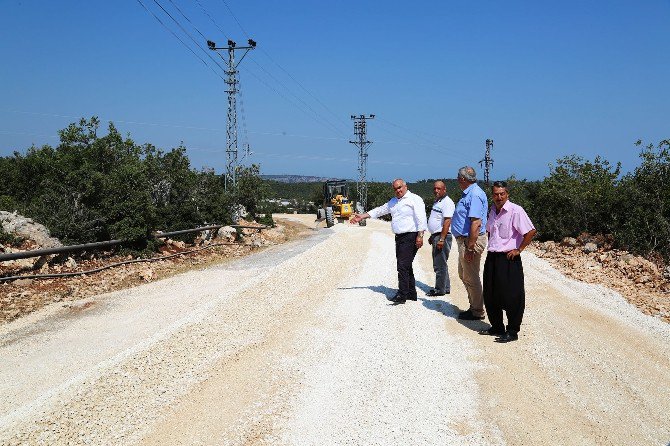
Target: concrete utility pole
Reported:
point(360, 132)
point(487, 162)
point(231, 127)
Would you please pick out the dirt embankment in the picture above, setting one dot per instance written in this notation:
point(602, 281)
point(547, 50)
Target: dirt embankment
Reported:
point(23, 296)
point(639, 281)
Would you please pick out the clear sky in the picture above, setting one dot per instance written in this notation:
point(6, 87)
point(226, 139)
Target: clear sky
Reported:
point(542, 79)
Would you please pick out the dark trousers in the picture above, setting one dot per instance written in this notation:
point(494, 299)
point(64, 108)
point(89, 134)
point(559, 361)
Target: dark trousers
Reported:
point(405, 250)
point(504, 290)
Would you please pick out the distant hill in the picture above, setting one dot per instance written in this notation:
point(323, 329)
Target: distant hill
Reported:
point(297, 178)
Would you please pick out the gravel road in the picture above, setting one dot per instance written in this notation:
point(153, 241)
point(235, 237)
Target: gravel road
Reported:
point(297, 345)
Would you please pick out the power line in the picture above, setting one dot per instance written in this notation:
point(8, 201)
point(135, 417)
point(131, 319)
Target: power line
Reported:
point(176, 126)
point(316, 115)
point(177, 37)
point(189, 35)
point(191, 127)
point(187, 19)
point(337, 117)
point(295, 96)
point(419, 134)
point(290, 101)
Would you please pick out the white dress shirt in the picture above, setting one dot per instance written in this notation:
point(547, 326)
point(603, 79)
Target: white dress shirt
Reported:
point(408, 214)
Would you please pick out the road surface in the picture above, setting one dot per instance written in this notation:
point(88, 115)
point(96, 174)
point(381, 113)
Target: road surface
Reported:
point(297, 345)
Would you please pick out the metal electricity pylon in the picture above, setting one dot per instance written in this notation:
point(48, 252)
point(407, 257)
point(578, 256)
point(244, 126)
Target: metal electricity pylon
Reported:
point(487, 162)
point(231, 127)
point(360, 132)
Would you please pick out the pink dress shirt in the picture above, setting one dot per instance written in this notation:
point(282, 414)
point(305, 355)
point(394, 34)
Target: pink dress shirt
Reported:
point(507, 228)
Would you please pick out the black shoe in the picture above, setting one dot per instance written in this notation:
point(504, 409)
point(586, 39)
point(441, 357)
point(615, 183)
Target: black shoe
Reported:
point(492, 332)
point(412, 298)
point(468, 316)
point(435, 293)
point(397, 299)
point(507, 337)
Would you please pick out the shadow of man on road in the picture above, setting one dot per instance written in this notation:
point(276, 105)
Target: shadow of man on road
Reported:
point(381, 289)
point(448, 309)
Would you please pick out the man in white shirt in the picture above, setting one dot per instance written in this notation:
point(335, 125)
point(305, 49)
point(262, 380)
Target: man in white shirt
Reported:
point(440, 238)
point(408, 222)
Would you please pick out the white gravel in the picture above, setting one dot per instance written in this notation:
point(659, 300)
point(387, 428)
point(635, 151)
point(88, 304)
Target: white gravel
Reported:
point(379, 374)
point(299, 346)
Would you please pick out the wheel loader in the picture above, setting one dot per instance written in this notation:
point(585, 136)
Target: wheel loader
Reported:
point(336, 204)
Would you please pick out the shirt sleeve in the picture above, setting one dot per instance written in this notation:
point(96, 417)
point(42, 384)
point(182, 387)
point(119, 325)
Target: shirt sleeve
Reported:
point(521, 222)
point(420, 213)
point(449, 208)
point(478, 207)
point(380, 210)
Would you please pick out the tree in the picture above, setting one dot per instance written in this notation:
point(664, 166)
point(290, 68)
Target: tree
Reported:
point(578, 196)
point(251, 189)
point(643, 217)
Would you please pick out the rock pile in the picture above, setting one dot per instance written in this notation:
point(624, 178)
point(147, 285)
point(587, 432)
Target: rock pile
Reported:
point(21, 226)
point(592, 260)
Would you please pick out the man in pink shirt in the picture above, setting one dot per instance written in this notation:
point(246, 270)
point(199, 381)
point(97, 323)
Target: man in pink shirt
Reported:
point(510, 231)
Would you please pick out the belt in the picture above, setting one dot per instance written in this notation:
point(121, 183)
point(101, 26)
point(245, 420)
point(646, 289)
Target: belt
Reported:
point(438, 233)
point(467, 236)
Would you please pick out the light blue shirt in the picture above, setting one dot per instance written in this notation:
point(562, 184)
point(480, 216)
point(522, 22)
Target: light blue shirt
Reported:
point(473, 204)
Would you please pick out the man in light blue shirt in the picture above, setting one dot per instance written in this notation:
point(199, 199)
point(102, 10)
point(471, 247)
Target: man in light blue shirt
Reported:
point(468, 226)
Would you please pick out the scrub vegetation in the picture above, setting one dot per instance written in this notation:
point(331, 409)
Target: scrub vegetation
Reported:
point(92, 188)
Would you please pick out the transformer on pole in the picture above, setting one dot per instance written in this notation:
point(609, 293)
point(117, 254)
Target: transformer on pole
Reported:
point(487, 162)
point(360, 133)
point(231, 127)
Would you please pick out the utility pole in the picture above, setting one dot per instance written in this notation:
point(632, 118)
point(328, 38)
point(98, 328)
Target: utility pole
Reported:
point(487, 162)
point(231, 127)
point(360, 132)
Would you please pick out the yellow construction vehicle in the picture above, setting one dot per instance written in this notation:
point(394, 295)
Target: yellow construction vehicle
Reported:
point(336, 205)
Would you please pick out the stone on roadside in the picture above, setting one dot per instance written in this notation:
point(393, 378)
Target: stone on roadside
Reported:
point(227, 232)
point(147, 274)
point(23, 282)
point(569, 241)
point(590, 247)
point(642, 279)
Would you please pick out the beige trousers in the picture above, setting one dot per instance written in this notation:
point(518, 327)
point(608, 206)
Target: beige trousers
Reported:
point(468, 272)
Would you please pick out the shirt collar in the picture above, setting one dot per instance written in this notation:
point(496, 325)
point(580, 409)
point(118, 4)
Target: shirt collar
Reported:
point(506, 207)
point(469, 189)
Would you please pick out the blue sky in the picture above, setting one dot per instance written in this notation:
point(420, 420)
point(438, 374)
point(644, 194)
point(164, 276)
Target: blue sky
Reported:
point(542, 79)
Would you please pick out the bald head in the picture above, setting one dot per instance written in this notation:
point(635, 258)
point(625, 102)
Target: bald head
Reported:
point(399, 187)
point(439, 189)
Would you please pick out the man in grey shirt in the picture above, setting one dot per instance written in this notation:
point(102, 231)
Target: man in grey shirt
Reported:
point(440, 238)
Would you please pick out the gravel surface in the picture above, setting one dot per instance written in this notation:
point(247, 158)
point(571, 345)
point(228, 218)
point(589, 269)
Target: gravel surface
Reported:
point(298, 345)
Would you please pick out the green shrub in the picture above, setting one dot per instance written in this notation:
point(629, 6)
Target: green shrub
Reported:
point(643, 206)
point(93, 188)
point(578, 196)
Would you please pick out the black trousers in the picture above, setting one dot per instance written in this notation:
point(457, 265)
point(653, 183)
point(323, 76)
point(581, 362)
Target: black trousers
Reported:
point(405, 250)
point(504, 290)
